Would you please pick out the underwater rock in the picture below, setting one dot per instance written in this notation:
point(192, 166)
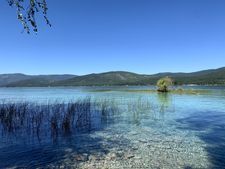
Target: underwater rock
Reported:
point(133, 133)
point(93, 158)
point(111, 156)
point(129, 156)
point(137, 158)
point(134, 148)
point(143, 141)
point(81, 157)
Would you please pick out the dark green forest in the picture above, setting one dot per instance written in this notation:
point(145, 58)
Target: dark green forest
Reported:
point(205, 77)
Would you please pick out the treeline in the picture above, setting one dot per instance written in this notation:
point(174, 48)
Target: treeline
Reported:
point(206, 77)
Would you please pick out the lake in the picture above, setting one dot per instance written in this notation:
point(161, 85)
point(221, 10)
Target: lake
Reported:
point(148, 130)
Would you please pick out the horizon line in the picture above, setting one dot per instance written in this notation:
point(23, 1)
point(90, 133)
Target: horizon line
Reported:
point(49, 74)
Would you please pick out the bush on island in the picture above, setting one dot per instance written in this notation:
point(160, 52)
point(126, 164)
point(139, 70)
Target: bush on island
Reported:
point(163, 84)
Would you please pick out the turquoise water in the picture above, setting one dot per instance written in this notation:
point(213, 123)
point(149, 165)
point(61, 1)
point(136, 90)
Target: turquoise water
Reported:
point(150, 130)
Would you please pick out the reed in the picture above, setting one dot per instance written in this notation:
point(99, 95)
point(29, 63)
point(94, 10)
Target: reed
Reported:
point(55, 119)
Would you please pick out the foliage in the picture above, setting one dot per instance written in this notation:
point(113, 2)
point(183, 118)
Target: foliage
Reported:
point(207, 77)
point(27, 11)
point(164, 83)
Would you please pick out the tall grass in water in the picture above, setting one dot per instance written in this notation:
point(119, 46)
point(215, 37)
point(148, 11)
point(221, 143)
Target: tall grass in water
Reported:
point(51, 120)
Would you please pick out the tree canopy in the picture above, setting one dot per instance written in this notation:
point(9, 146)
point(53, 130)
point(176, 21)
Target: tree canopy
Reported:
point(27, 11)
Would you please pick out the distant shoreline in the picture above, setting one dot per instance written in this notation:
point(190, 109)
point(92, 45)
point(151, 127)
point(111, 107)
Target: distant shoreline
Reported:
point(212, 77)
point(175, 86)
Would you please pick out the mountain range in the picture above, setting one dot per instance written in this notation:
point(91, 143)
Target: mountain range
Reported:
point(205, 77)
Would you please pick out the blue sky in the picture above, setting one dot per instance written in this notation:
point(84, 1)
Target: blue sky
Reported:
point(142, 36)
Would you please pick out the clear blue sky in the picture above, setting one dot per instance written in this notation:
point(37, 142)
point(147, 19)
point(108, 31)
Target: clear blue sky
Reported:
point(142, 36)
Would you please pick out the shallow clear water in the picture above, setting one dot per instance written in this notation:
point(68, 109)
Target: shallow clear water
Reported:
point(150, 131)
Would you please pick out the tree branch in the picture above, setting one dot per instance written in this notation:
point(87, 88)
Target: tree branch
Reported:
point(27, 11)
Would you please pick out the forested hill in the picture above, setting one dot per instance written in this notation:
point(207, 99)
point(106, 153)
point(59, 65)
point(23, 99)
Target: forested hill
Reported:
point(205, 77)
point(19, 79)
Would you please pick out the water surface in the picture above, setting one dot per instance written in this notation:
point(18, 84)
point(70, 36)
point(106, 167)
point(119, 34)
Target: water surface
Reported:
point(150, 130)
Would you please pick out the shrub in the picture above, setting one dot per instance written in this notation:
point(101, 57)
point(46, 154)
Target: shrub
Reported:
point(164, 83)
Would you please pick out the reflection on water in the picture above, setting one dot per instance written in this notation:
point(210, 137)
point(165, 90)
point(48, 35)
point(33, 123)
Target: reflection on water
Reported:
point(113, 129)
point(165, 102)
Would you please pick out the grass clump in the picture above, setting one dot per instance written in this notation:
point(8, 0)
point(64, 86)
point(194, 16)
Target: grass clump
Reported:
point(51, 120)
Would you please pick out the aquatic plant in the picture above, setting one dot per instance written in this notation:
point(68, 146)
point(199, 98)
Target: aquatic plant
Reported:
point(30, 120)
